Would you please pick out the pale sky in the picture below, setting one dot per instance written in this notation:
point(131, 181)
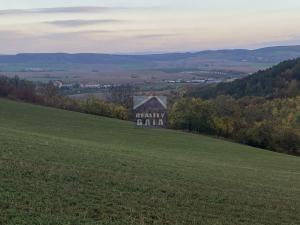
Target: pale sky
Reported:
point(140, 26)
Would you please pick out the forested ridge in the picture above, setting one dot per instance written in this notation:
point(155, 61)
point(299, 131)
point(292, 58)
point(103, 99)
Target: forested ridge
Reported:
point(279, 81)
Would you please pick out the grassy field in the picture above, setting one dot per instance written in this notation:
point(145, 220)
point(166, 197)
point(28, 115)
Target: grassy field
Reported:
point(64, 168)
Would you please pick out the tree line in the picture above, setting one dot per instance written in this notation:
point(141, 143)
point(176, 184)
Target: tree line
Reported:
point(259, 122)
point(48, 95)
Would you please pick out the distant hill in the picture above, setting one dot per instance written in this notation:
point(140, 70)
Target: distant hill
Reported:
point(268, 55)
point(236, 59)
point(60, 167)
point(282, 80)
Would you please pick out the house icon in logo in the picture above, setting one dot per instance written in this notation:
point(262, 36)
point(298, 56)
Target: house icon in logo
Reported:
point(150, 111)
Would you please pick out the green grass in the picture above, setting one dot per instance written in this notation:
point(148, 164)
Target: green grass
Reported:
point(64, 168)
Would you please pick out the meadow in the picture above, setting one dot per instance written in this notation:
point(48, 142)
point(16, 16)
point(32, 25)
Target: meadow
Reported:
point(66, 168)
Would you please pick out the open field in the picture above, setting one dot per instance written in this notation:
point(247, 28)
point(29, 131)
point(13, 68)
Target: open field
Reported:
point(115, 77)
point(59, 167)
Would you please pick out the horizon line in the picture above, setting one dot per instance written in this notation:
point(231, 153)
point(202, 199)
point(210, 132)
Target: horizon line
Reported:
point(154, 52)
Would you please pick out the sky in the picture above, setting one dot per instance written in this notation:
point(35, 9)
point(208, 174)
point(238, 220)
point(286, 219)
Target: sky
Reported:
point(146, 26)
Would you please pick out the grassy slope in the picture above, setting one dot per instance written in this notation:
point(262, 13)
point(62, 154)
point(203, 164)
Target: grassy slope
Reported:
point(59, 167)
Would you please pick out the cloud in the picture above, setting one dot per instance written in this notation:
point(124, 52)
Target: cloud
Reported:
point(16, 42)
point(77, 23)
point(10, 34)
point(151, 36)
point(79, 9)
point(67, 35)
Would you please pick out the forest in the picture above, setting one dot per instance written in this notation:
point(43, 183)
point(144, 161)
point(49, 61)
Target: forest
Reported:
point(259, 122)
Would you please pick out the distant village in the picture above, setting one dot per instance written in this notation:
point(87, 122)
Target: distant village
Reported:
point(63, 85)
point(202, 81)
